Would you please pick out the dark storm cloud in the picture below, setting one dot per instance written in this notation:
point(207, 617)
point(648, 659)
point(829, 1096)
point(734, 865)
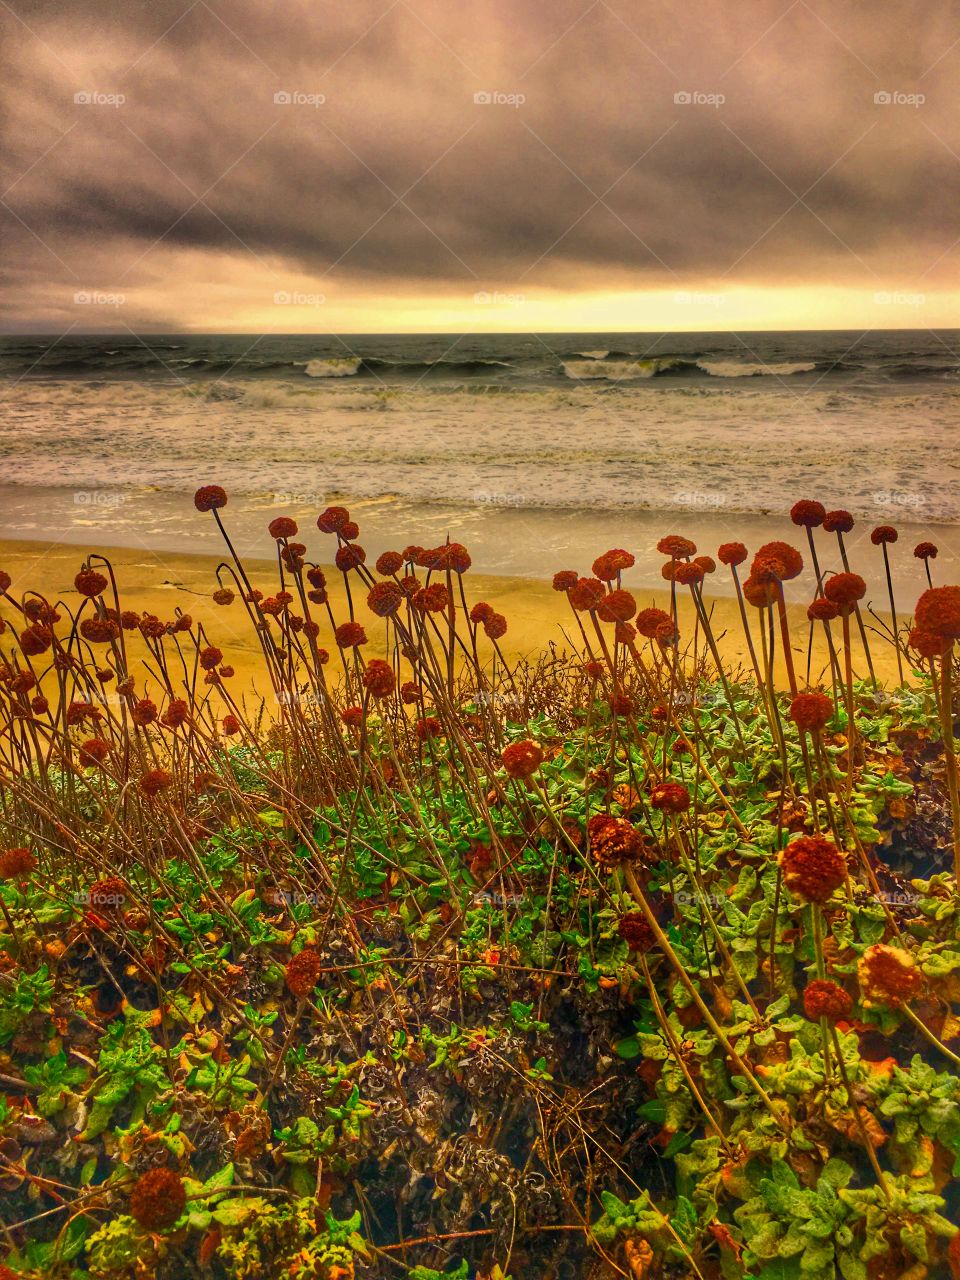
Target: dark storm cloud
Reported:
point(783, 166)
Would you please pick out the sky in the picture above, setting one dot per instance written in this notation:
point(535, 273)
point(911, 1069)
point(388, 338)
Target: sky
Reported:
point(442, 166)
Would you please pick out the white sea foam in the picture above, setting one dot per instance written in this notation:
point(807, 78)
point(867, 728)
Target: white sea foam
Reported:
point(742, 369)
point(335, 368)
point(615, 370)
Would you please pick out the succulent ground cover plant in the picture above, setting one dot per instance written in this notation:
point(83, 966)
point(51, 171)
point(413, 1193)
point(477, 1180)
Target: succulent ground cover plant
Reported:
point(617, 963)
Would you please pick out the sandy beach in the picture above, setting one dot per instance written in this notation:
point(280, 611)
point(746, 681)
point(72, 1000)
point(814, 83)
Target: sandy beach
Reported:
point(159, 582)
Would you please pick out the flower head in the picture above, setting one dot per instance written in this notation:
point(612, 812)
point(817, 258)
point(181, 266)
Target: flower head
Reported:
point(636, 932)
point(838, 521)
point(927, 643)
point(210, 657)
point(90, 583)
point(210, 498)
point(482, 612)
point(565, 580)
point(350, 635)
point(808, 513)
point(648, 621)
point(302, 972)
point(777, 559)
point(17, 864)
point(495, 626)
point(389, 563)
point(670, 797)
point(282, 527)
point(732, 553)
point(614, 841)
point(938, 611)
point(333, 519)
point(888, 975)
point(617, 606)
point(925, 551)
point(154, 781)
point(825, 999)
point(676, 546)
point(223, 596)
point(522, 759)
point(811, 712)
point(813, 867)
point(384, 599)
point(822, 610)
point(844, 590)
point(94, 752)
point(99, 630)
point(883, 533)
point(379, 679)
point(349, 556)
point(612, 563)
point(158, 1199)
point(688, 574)
point(706, 563)
point(432, 599)
point(586, 594)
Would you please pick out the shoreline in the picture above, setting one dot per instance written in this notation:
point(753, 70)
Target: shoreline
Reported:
point(537, 616)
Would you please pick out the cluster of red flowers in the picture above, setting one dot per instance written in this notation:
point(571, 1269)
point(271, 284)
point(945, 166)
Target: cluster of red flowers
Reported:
point(938, 613)
point(17, 864)
point(811, 712)
point(614, 841)
point(302, 972)
point(888, 975)
point(670, 797)
point(636, 932)
point(158, 1199)
point(845, 590)
point(521, 760)
point(825, 999)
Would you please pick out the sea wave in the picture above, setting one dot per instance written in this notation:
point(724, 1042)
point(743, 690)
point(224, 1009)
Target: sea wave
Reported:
point(741, 369)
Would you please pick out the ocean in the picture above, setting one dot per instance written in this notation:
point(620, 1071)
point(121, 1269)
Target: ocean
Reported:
point(525, 443)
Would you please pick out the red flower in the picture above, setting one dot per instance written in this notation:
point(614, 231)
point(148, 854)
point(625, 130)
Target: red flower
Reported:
point(614, 841)
point(838, 522)
point(453, 556)
point(379, 679)
point(760, 591)
point(522, 759)
point(925, 551)
point(333, 519)
point(350, 635)
point(175, 714)
point(593, 670)
point(158, 1197)
point(282, 527)
point(79, 711)
point(94, 752)
point(350, 531)
point(428, 727)
point(90, 583)
point(155, 781)
point(845, 589)
point(732, 553)
point(822, 610)
point(129, 620)
point(151, 627)
point(670, 797)
point(928, 644)
point(586, 594)
point(938, 611)
point(99, 630)
point(231, 725)
point(813, 867)
point(413, 553)
point(17, 864)
point(316, 577)
point(676, 546)
point(617, 606)
point(210, 497)
point(292, 555)
point(349, 556)
point(210, 657)
point(496, 626)
point(884, 533)
point(808, 513)
point(482, 612)
point(612, 563)
point(779, 559)
point(432, 599)
point(384, 599)
point(302, 972)
point(389, 563)
point(688, 575)
point(5, 581)
point(410, 585)
point(648, 621)
point(824, 999)
point(706, 563)
point(352, 717)
point(565, 579)
point(410, 692)
point(35, 640)
point(621, 704)
point(811, 711)
point(223, 596)
point(107, 894)
point(636, 932)
point(144, 712)
point(888, 975)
